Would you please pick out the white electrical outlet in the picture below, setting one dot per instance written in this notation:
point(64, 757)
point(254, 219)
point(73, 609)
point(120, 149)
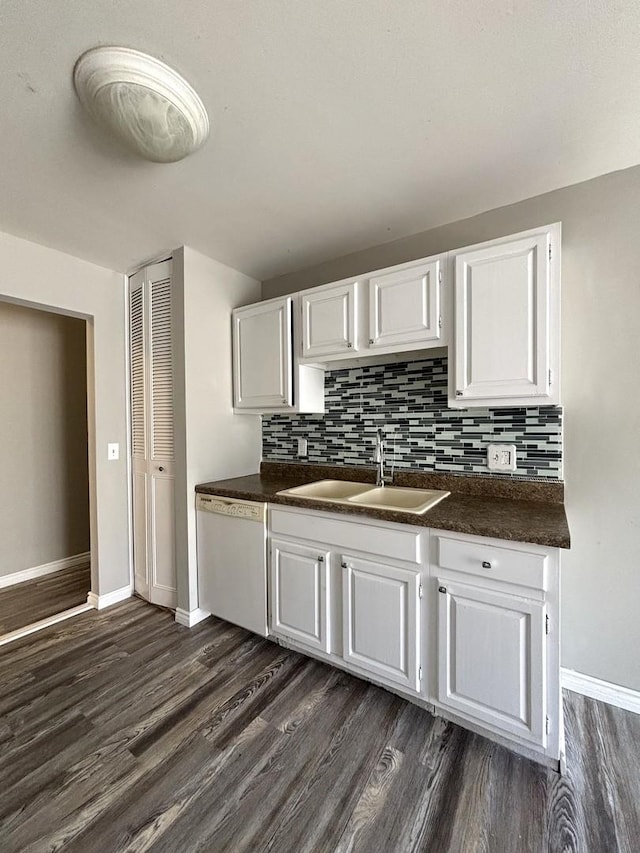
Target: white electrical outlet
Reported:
point(302, 447)
point(501, 457)
point(113, 451)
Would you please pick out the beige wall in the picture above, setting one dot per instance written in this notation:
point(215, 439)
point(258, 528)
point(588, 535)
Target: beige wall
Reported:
point(44, 487)
point(39, 277)
point(211, 442)
point(601, 382)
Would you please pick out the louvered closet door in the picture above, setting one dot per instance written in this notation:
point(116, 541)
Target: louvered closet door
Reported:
point(161, 439)
point(138, 431)
point(152, 427)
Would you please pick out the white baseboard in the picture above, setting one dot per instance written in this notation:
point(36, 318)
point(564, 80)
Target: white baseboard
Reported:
point(44, 569)
point(109, 598)
point(595, 688)
point(43, 623)
point(189, 618)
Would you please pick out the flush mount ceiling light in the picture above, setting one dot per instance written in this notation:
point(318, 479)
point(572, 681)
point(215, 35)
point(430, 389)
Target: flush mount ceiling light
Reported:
point(146, 104)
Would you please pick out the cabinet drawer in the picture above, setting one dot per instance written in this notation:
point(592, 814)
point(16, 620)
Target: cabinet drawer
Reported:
point(490, 561)
point(397, 543)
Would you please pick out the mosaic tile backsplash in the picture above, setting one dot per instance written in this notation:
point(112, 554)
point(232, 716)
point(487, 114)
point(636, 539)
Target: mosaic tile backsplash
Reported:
point(408, 400)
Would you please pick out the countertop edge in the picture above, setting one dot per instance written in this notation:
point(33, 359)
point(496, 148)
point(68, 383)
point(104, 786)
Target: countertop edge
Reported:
point(476, 528)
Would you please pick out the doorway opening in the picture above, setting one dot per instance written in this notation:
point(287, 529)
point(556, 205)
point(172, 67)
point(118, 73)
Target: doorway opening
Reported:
point(45, 564)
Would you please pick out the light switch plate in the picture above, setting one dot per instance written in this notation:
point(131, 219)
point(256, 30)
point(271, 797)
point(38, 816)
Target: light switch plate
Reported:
point(501, 457)
point(302, 447)
point(113, 451)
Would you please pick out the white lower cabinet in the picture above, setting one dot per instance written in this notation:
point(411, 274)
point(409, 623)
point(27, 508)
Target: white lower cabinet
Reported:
point(492, 658)
point(381, 620)
point(498, 641)
point(299, 593)
point(465, 625)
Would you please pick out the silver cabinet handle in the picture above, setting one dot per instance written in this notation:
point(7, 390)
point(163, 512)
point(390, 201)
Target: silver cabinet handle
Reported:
point(321, 559)
point(458, 393)
point(442, 589)
point(486, 564)
point(371, 341)
point(161, 468)
point(349, 344)
point(344, 565)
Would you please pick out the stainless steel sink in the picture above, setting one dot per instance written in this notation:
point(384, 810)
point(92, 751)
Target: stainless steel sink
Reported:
point(327, 490)
point(391, 498)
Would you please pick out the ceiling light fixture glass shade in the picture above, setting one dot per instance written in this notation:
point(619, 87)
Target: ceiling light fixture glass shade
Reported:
point(146, 104)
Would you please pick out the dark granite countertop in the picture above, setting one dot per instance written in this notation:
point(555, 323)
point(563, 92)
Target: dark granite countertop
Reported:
point(503, 511)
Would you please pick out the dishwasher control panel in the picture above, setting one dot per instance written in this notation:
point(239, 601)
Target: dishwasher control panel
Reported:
point(248, 510)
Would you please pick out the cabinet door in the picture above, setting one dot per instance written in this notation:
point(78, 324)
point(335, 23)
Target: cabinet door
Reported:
point(328, 320)
point(381, 613)
point(262, 355)
point(404, 307)
point(503, 322)
point(300, 593)
point(492, 659)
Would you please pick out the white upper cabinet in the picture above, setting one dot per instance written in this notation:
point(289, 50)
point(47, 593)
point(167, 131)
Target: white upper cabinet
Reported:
point(507, 321)
point(267, 375)
point(394, 310)
point(263, 355)
point(329, 320)
point(405, 307)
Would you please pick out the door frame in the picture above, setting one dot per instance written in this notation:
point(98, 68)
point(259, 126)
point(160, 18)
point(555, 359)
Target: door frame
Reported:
point(94, 598)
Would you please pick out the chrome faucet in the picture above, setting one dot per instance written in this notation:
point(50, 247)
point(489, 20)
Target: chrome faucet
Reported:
point(378, 458)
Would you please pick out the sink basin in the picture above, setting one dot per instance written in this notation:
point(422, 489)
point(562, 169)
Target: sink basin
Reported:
point(327, 490)
point(416, 501)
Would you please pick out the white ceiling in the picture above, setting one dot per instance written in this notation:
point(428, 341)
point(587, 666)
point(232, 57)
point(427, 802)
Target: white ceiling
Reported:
point(337, 124)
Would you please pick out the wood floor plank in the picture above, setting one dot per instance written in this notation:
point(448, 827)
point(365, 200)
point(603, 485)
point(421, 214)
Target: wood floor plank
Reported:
point(371, 801)
point(328, 789)
point(122, 731)
point(31, 601)
point(237, 814)
point(22, 655)
point(40, 816)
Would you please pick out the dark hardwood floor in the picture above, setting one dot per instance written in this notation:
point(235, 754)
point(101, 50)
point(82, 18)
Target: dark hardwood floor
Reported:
point(122, 731)
point(34, 600)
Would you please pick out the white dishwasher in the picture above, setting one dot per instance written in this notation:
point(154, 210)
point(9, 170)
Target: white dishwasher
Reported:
point(232, 560)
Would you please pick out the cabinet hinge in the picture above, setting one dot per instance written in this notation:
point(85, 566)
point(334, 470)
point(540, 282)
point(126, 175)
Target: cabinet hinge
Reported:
point(420, 591)
point(420, 673)
point(549, 376)
point(546, 624)
point(549, 251)
point(440, 321)
point(546, 725)
point(439, 276)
